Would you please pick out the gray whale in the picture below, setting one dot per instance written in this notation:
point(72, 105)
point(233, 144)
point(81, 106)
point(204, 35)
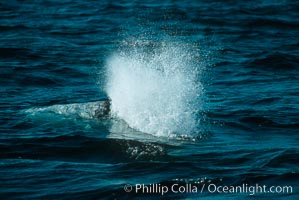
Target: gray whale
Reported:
point(94, 109)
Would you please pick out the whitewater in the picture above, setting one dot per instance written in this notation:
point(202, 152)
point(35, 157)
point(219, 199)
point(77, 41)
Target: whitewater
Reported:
point(156, 87)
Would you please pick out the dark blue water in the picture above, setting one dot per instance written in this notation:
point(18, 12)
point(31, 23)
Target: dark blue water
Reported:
point(235, 121)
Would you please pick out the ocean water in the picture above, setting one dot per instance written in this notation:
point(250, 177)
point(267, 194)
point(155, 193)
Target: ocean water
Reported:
point(203, 94)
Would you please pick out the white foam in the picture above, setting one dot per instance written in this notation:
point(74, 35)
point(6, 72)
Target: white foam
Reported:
point(156, 88)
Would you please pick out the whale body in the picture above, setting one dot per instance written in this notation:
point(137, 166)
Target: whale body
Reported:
point(94, 109)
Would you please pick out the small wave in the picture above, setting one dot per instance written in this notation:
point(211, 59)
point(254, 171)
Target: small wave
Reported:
point(276, 61)
point(13, 27)
point(272, 23)
point(38, 81)
point(284, 159)
point(265, 122)
point(7, 52)
point(265, 101)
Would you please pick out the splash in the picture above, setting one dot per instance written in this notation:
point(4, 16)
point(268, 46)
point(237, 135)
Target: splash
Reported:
point(155, 87)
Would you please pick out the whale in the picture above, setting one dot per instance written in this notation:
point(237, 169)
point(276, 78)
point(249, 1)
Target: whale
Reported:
point(93, 109)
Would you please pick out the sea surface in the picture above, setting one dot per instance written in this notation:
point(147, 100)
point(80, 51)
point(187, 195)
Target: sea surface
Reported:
point(203, 94)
